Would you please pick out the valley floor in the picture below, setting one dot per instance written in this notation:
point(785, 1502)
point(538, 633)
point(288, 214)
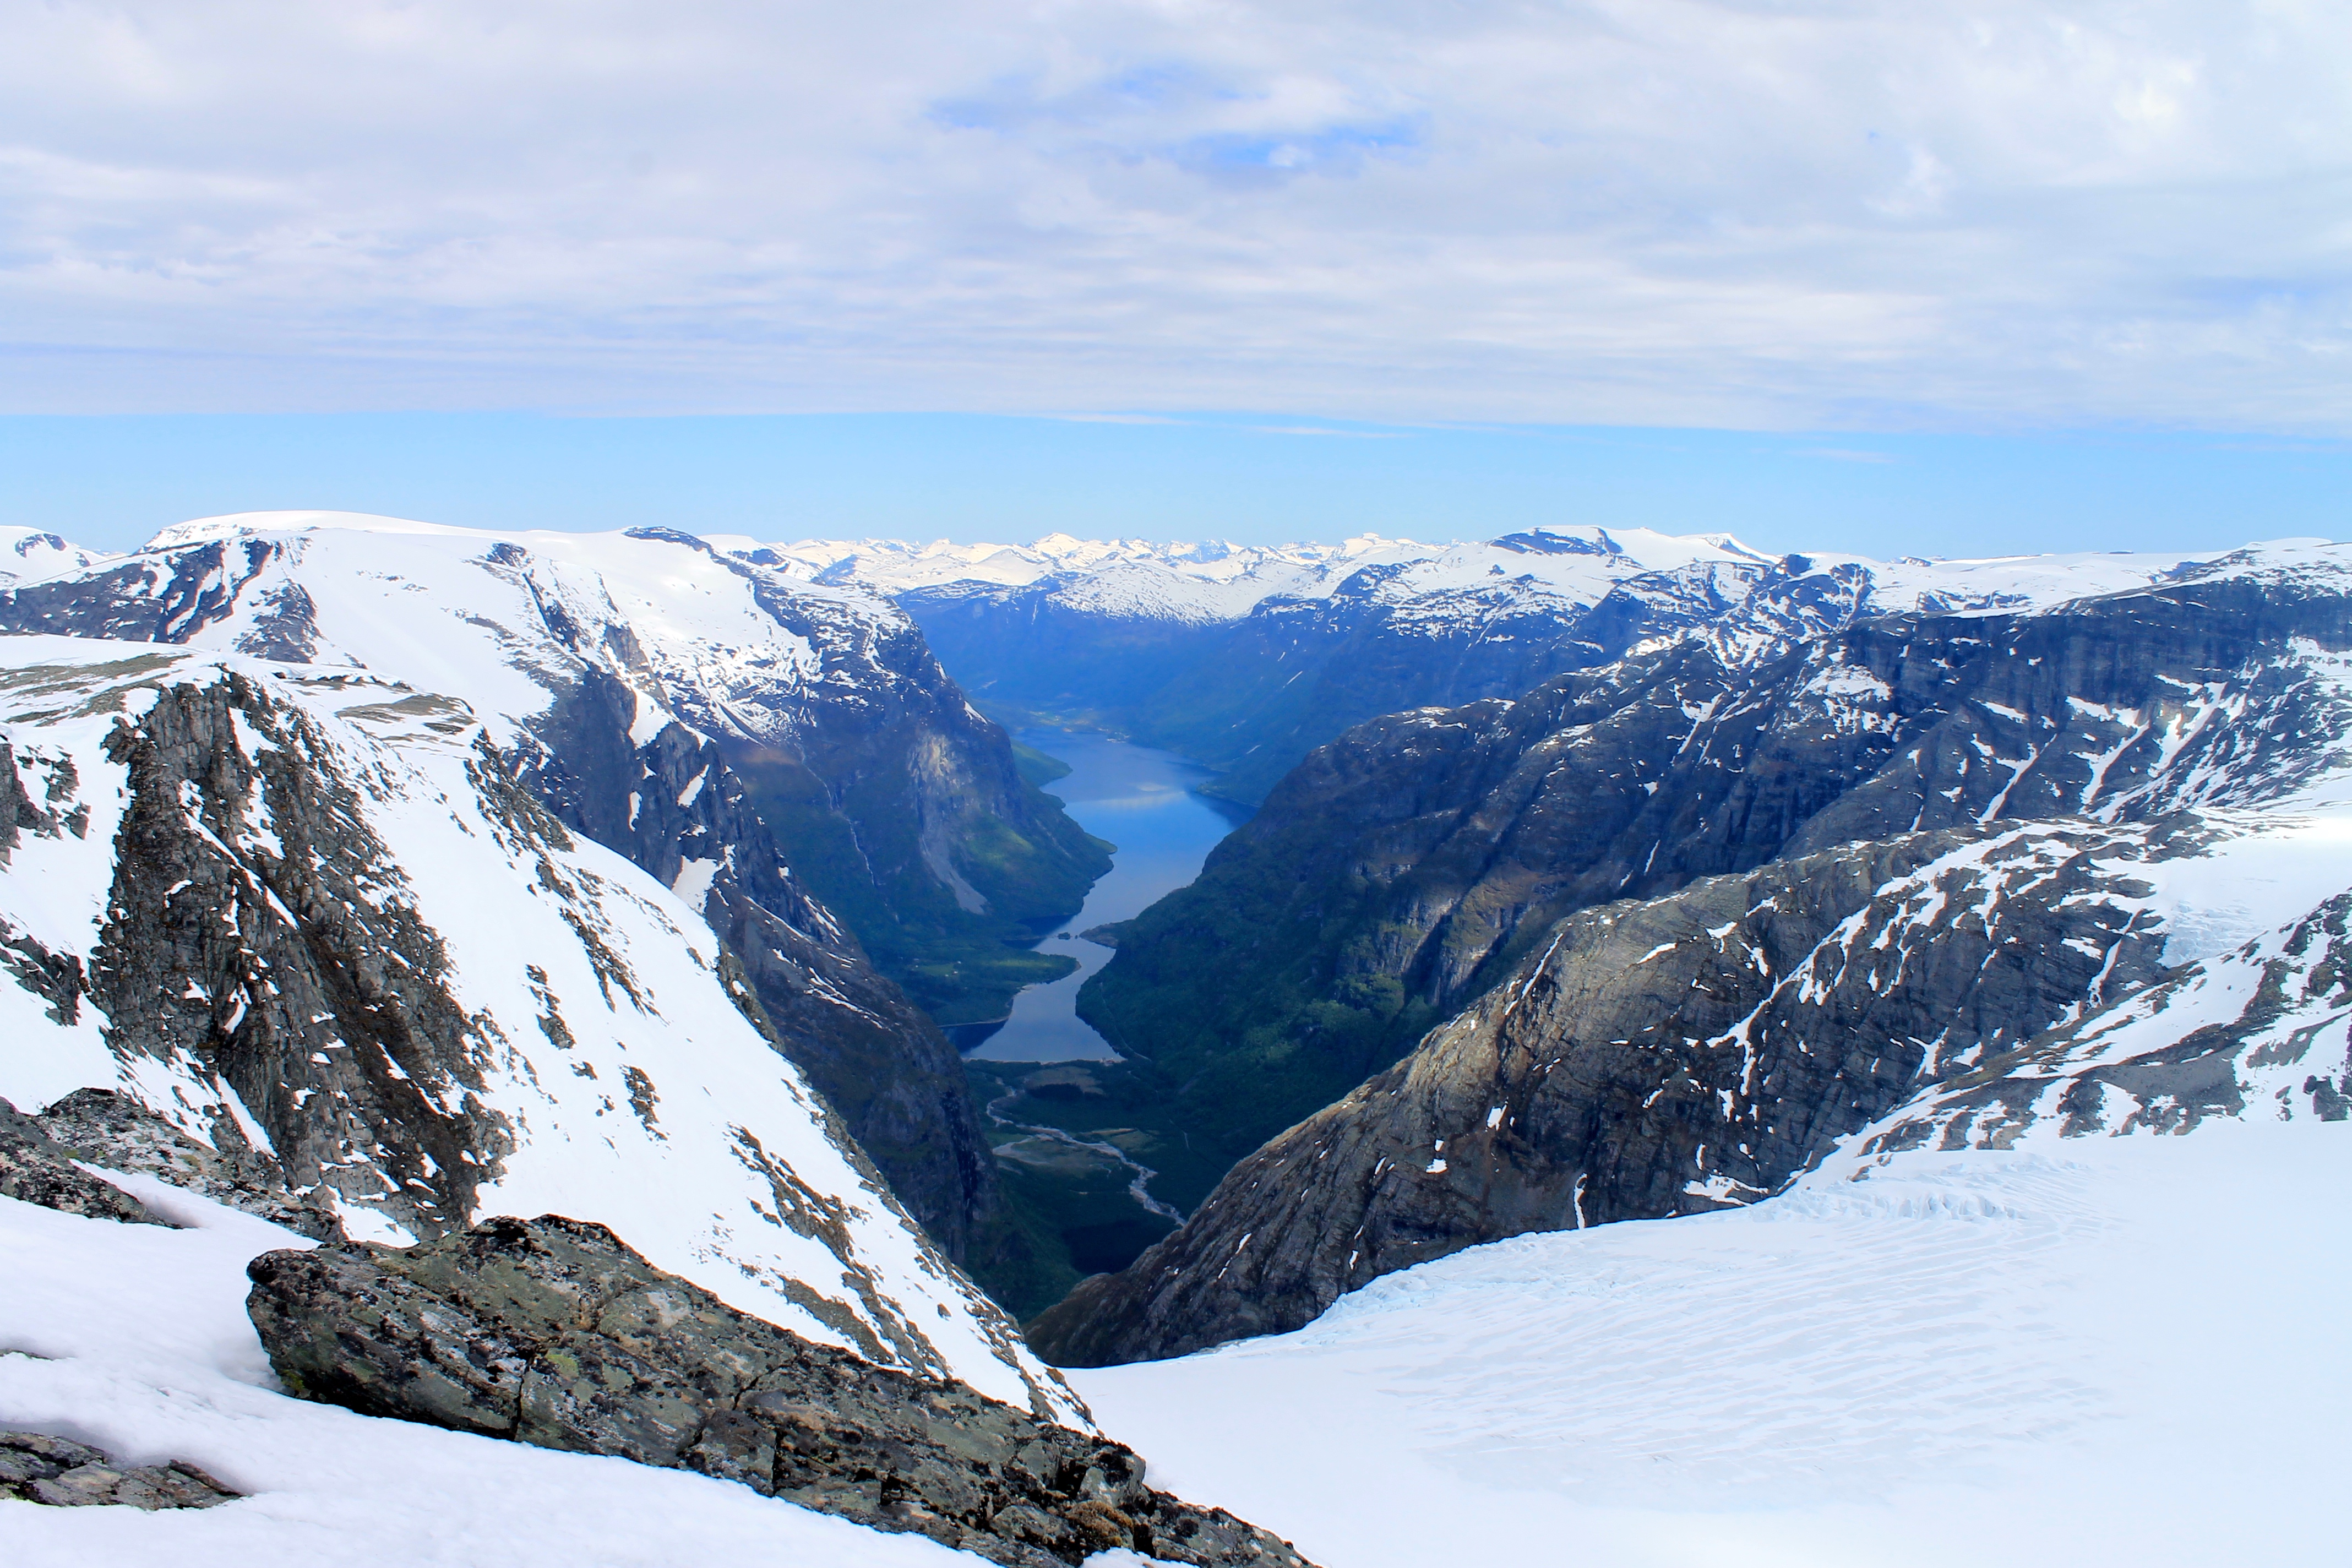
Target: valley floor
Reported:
point(2120, 1351)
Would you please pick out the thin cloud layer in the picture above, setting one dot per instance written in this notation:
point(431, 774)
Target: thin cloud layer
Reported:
point(1705, 212)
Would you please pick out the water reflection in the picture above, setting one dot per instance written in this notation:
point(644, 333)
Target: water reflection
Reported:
point(1142, 801)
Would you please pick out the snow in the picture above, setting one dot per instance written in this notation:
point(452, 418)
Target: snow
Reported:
point(482, 615)
point(27, 555)
point(2108, 1350)
point(681, 1185)
point(134, 1338)
point(1447, 588)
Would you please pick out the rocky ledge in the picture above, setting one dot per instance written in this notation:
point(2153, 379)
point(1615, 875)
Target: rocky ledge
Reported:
point(37, 1468)
point(553, 1333)
point(99, 1127)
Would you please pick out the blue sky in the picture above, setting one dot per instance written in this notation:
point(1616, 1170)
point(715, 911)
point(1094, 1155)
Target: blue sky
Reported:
point(111, 481)
point(2045, 267)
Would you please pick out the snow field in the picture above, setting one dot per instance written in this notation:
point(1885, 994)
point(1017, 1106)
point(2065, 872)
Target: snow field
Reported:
point(2126, 1350)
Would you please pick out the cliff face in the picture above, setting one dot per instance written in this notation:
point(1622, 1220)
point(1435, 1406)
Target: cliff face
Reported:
point(309, 917)
point(1690, 920)
point(1251, 670)
point(1401, 871)
point(1993, 987)
point(792, 760)
point(1654, 1059)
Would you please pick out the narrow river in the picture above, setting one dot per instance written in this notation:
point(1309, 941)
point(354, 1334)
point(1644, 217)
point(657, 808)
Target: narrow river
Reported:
point(1142, 801)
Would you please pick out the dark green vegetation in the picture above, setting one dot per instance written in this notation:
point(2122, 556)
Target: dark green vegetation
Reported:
point(1039, 768)
point(1070, 1204)
point(863, 850)
point(1266, 1034)
point(1399, 873)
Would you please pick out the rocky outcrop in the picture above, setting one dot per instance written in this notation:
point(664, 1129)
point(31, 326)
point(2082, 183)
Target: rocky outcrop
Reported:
point(1401, 872)
point(1652, 1060)
point(319, 922)
point(39, 1157)
point(34, 1168)
point(37, 1468)
point(249, 930)
point(114, 1131)
point(793, 761)
point(553, 1333)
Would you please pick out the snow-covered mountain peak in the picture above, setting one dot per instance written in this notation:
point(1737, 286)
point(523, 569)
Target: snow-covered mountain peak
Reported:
point(232, 525)
point(29, 555)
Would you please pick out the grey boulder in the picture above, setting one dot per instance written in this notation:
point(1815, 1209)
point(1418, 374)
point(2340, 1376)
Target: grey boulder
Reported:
point(553, 1333)
point(37, 1468)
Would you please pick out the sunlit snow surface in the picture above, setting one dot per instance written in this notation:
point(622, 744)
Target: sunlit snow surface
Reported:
point(684, 1185)
point(149, 1357)
point(2107, 1351)
point(1433, 587)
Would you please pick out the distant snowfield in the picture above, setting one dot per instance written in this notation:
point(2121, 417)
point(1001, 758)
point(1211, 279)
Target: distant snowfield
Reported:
point(2100, 1351)
point(1569, 568)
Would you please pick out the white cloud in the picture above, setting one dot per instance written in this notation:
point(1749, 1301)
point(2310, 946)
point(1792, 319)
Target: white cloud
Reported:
point(1767, 212)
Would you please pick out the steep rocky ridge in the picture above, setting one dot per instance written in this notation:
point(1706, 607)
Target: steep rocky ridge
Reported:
point(553, 1332)
point(1655, 1058)
point(1400, 871)
point(309, 915)
point(746, 740)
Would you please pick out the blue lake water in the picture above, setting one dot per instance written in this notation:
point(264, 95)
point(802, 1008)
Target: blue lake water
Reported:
point(1142, 801)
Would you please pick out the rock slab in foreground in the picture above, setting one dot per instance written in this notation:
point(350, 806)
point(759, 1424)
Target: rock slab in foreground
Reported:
point(37, 1468)
point(553, 1332)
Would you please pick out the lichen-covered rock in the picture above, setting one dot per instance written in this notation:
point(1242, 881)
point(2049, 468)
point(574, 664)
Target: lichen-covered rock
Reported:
point(114, 1131)
point(35, 1169)
point(37, 1468)
point(553, 1332)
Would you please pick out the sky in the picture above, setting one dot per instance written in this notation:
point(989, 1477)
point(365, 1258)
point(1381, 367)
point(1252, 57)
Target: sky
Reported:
point(112, 482)
point(2038, 252)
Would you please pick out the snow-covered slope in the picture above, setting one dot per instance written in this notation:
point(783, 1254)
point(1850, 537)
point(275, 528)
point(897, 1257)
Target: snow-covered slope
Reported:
point(27, 555)
point(2121, 1352)
point(305, 907)
point(789, 756)
point(1576, 567)
point(1124, 578)
point(1246, 658)
point(2088, 1301)
point(134, 1338)
point(719, 644)
point(1667, 930)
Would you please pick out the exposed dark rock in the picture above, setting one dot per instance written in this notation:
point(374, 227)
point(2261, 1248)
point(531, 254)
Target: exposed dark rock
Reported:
point(1690, 1052)
point(553, 1333)
point(1402, 871)
point(2076, 1073)
point(117, 1132)
point(37, 1468)
point(676, 808)
point(249, 930)
point(37, 1169)
point(868, 782)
